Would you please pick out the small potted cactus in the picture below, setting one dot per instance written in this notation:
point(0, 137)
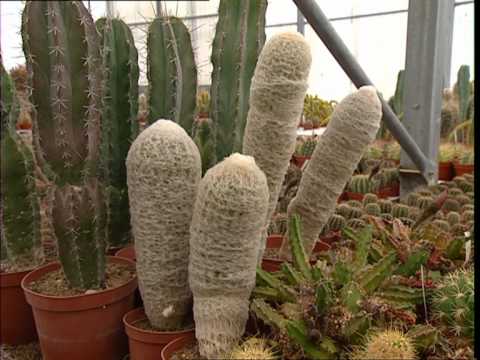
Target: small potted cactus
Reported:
point(304, 150)
point(446, 155)
point(464, 163)
point(358, 186)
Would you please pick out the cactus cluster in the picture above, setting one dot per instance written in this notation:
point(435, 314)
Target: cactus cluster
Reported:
point(317, 111)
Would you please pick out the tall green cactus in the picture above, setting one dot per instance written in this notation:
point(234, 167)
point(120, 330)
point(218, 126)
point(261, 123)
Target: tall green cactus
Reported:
point(61, 46)
point(463, 90)
point(119, 121)
point(239, 38)
point(19, 208)
point(171, 72)
point(396, 101)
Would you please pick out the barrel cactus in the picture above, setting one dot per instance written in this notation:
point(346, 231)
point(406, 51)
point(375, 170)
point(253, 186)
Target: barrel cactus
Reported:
point(163, 172)
point(451, 205)
point(226, 228)
point(386, 344)
point(373, 209)
point(334, 160)
point(276, 100)
point(463, 199)
point(336, 222)
point(62, 50)
point(20, 241)
point(360, 184)
point(441, 224)
point(412, 199)
point(369, 198)
point(355, 203)
point(424, 202)
point(400, 210)
point(385, 205)
point(453, 218)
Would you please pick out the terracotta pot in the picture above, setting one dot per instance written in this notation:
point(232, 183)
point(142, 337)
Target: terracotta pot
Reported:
point(275, 242)
point(87, 326)
point(390, 191)
point(147, 344)
point(445, 171)
point(460, 169)
point(343, 197)
point(128, 252)
point(176, 345)
point(300, 160)
point(17, 325)
point(354, 196)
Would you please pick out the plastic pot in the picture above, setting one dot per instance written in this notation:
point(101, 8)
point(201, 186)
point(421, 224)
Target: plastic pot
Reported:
point(148, 344)
point(299, 160)
point(445, 171)
point(17, 325)
point(354, 196)
point(86, 326)
point(128, 252)
point(460, 169)
point(390, 191)
point(176, 345)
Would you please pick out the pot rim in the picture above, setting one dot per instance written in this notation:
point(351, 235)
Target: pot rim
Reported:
point(173, 343)
point(13, 279)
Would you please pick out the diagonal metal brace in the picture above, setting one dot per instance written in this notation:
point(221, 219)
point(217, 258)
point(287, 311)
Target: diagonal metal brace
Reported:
point(325, 31)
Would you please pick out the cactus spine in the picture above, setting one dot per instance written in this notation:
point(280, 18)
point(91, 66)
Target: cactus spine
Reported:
point(19, 209)
point(163, 172)
point(386, 344)
point(119, 121)
point(228, 220)
point(239, 38)
point(61, 46)
point(171, 72)
point(276, 100)
point(322, 183)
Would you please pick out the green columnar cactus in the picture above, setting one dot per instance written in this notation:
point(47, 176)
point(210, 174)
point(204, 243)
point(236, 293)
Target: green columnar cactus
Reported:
point(226, 228)
point(360, 184)
point(239, 39)
point(119, 121)
point(400, 210)
point(203, 136)
point(373, 209)
point(369, 198)
point(62, 49)
point(386, 344)
point(276, 99)
point(385, 206)
point(20, 240)
point(336, 222)
point(308, 147)
point(396, 101)
point(163, 172)
point(463, 90)
point(453, 302)
point(171, 72)
point(334, 161)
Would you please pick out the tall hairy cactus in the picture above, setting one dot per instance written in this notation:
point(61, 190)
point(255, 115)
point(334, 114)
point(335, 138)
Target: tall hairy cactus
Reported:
point(353, 125)
point(276, 101)
point(19, 208)
point(239, 38)
point(229, 217)
point(163, 172)
point(171, 72)
point(61, 46)
point(119, 121)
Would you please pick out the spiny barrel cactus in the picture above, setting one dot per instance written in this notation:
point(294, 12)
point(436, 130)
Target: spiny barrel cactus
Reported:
point(373, 209)
point(355, 203)
point(228, 220)
point(386, 344)
point(334, 160)
point(385, 205)
point(276, 99)
point(356, 223)
point(253, 348)
point(171, 72)
point(400, 210)
point(463, 199)
point(360, 184)
point(369, 198)
point(308, 147)
point(451, 205)
point(239, 39)
point(62, 49)
point(412, 199)
point(424, 202)
point(19, 208)
point(119, 121)
point(336, 222)
point(453, 302)
point(163, 172)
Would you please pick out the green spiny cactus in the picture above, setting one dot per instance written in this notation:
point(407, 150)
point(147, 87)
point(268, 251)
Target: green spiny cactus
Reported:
point(278, 224)
point(466, 186)
point(462, 90)
point(386, 344)
point(468, 177)
point(451, 205)
point(412, 199)
point(21, 247)
point(239, 39)
point(468, 215)
point(336, 222)
point(385, 206)
point(317, 111)
point(171, 72)
point(463, 199)
point(360, 184)
point(386, 177)
point(400, 210)
point(424, 337)
point(441, 224)
point(355, 213)
point(413, 213)
point(458, 229)
point(373, 209)
point(453, 218)
point(369, 198)
point(454, 191)
point(308, 146)
point(163, 161)
point(203, 136)
point(344, 209)
point(467, 207)
point(355, 203)
point(407, 221)
point(387, 216)
point(424, 202)
point(453, 302)
point(203, 104)
point(62, 50)
point(355, 223)
point(119, 121)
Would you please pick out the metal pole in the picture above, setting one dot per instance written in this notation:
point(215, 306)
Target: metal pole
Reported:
point(429, 49)
point(319, 22)
point(300, 23)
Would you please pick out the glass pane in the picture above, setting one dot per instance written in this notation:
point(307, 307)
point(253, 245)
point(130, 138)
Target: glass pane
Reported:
point(134, 11)
point(280, 12)
point(463, 48)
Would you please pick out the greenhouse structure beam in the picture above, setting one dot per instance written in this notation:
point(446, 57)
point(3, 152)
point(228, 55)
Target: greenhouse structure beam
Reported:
point(427, 65)
point(321, 25)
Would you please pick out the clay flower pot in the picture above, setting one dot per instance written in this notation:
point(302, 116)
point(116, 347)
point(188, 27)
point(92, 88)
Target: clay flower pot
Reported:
point(147, 344)
point(176, 345)
point(86, 326)
point(17, 325)
point(460, 169)
point(299, 160)
point(445, 171)
point(354, 196)
point(389, 191)
point(128, 252)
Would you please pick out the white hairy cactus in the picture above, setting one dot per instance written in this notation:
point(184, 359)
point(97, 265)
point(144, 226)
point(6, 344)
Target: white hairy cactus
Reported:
point(276, 102)
point(163, 172)
point(227, 222)
point(352, 127)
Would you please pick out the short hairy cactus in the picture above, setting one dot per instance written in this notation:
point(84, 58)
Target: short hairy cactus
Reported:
point(334, 160)
point(400, 210)
point(21, 247)
point(453, 302)
point(453, 218)
point(424, 202)
point(276, 100)
point(163, 172)
point(171, 72)
point(62, 50)
point(227, 224)
point(441, 224)
point(119, 121)
point(369, 198)
point(451, 205)
point(360, 184)
point(236, 48)
point(385, 206)
point(373, 209)
point(386, 344)
point(336, 222)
